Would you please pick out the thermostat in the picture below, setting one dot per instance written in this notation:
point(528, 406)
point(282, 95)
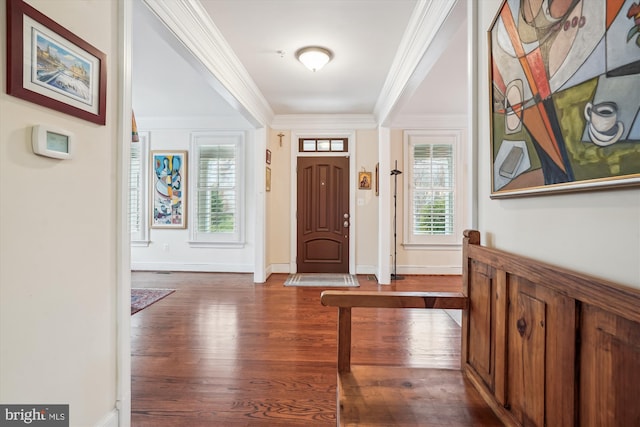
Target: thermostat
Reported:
point(52, 142)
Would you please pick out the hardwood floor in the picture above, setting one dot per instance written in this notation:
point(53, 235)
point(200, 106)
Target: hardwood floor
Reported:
point(222, 351)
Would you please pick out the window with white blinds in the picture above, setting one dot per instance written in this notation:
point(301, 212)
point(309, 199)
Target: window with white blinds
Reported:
point(137, 189)
point(432, 198)
point(218, 188)
point(432, 188)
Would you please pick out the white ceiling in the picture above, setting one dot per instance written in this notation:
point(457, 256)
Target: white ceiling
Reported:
point(363, 35)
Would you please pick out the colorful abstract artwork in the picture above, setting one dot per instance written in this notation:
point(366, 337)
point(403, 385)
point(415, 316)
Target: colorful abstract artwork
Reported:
point(565, 95)
point(168, 180)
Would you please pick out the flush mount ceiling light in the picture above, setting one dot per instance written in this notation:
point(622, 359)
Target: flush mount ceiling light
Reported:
point(314, 57)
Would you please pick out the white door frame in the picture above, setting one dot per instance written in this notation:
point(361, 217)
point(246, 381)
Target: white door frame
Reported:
point(351, 137)
point(123, 239)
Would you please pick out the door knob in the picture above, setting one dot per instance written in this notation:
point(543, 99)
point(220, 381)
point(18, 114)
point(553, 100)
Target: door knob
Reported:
point(346, 216)
point(346, 224)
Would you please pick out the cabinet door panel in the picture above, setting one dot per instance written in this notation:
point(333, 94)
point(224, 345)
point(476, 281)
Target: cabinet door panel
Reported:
point(541, 329)
point(480, 325)
point(609, 370)
point(526, 358)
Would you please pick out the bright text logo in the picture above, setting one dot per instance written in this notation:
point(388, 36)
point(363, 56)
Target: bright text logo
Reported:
point(34, 415)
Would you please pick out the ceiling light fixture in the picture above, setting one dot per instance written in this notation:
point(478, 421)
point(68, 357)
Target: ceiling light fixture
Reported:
point(314, 57)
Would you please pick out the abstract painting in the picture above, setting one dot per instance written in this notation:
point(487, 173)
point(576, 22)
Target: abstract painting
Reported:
point(169, 183)
point(564, 95)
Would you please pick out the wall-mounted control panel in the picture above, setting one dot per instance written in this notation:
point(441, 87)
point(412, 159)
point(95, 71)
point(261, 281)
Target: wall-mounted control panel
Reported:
point(52, 142)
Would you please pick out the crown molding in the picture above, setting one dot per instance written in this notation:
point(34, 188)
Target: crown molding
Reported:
point(324, 121)
point(431, 121)
point(426, 21)
point(191, 25)
point(193, 122)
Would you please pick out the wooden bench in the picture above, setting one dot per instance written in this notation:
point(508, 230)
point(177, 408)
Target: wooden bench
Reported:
point(541, 345)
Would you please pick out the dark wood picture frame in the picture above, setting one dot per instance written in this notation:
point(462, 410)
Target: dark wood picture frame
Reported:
point(65, 91)
point(268, 157)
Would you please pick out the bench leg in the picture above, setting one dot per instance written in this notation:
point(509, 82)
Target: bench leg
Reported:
point(344, 339)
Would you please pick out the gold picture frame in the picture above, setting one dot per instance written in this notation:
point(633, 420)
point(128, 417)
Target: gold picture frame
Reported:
point(268, 179)
point(364, 180)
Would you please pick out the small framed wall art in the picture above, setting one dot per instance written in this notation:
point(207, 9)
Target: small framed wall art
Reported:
point(50, 66)
point(268, 179)
point(364, 180)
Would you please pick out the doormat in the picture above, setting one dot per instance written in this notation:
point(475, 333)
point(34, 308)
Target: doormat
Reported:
point(142, 298)
point(328, 280)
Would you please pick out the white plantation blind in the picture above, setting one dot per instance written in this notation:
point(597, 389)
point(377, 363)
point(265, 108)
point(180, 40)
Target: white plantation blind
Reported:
point(137, 186)
point(135, 167)
point(216, 189)
point(433, 189)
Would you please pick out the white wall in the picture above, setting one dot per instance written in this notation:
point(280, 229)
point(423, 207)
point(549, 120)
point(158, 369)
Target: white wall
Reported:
point(169, 249)
point(278, 203)
point(597, 233)
point(366, 215)
point(58, 241)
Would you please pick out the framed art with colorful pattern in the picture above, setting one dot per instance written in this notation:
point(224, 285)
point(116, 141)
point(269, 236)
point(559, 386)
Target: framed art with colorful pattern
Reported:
point(564, 96)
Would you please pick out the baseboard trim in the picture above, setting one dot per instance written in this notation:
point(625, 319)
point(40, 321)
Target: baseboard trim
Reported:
point(446, 270)
point(456, 315)
point(280, 268)
point(109, 420)
point(200, 268)
point(439, 270)
point(366, 269)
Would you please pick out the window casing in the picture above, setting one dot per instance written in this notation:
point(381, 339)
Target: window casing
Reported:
point(138, 196)
point(432, 186)
point(323, 145)
point(217, 189)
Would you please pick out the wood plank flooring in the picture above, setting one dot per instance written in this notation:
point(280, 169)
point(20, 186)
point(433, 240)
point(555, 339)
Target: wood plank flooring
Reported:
point(223, 351)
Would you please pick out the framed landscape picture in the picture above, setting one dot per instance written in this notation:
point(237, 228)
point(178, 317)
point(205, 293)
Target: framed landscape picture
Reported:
point(564, 96)
point(168, 189)
point(50, 66)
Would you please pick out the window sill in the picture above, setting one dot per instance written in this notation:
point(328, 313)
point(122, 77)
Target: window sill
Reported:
point(432, 246)
point(224, 245)
point(140, 243)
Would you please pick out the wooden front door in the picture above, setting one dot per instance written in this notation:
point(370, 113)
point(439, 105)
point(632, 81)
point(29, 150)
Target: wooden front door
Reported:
point(323, 215)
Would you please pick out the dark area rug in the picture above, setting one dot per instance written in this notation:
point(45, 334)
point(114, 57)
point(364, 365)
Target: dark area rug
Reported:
point(142, 298)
